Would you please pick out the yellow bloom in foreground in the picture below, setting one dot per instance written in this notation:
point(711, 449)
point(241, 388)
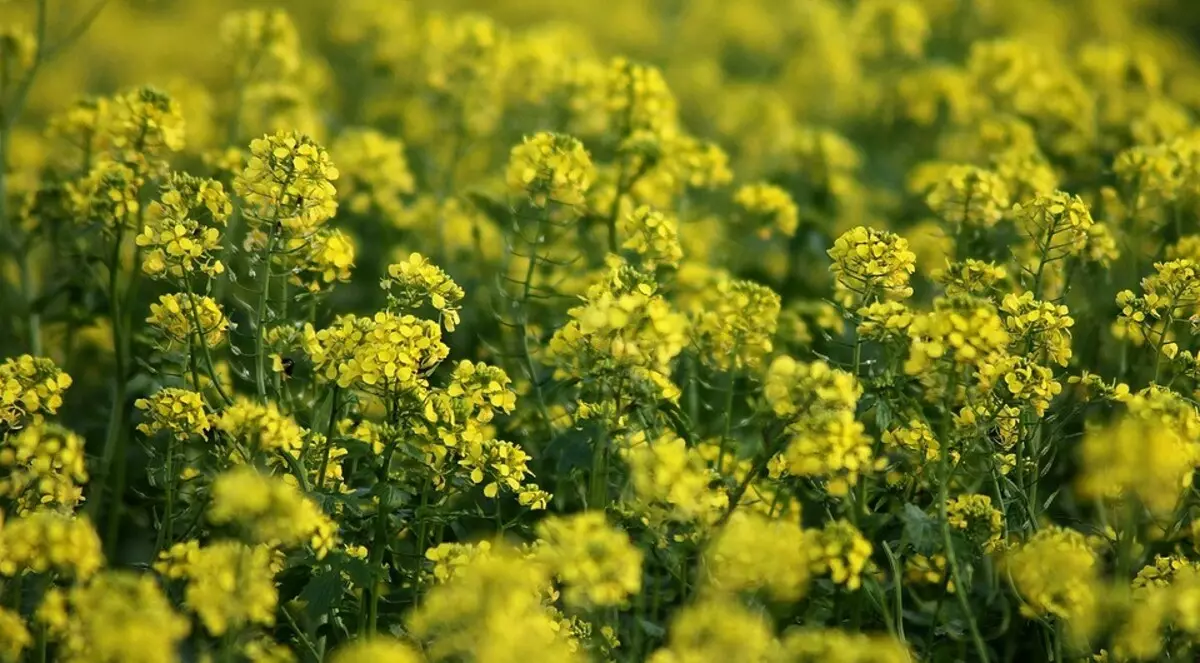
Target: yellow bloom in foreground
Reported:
point(270, 511)
point(597, 562)
point(754, 553)
point(14, 636)
point(44, 541)
point(230, 585)
point(376, 650)
point(717, 630)
point(1056, 574)
point(1142, 458)
point(117, 617)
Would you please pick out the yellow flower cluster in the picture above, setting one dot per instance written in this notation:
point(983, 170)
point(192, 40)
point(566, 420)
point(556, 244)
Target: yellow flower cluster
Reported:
point(30, 388)
point(183, 230)
point(43, 541)
point(596, 562)
point(833, 646)
point(767, 209)
point(177, 412)
point(753, 553)
point(958, 331)
point(412, 282)
point(1057, 224)
point(1172, 292)
point(636, 328)
point(448, 558)
point(637, 99)
point(871, 264)
point(14, 635)
point(492, 609)
point(670, 481)
point(796, 389)
point(229, 584)
point(383, 354)
point(885, 322)
point(270, 511)
point(654, 236)
point(971, 277)
point(115, 616)
point(107, 196)
point(258, 427)
point(288, 181)
point(43, 466)
point(485, 388)
point(735, 324)
point(375, 174)
point(376, 650)
point(1056, 573)
point(186, 318)
point(717, 629)
point(839, 550)
point(969, 197)
point(147, 123)
point(321, 259)
point(1139, 456)
point(979, 521)
point(1044, 327)
point(549, 167)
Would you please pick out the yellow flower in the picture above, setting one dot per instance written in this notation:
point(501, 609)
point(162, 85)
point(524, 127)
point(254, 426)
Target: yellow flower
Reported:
point(43, 541)
point(869, 264)
point(376, 650)
point(415, 280)
point(288, 180)
point(230, 585)
point(183, 231)
point(178, 412)
point(754, 553)
point(45, 466)
point(270, 511)
point(183, 318)
point(768, 208)
point(551, 167)
point(116, 616)
point(596, 562)
point(30, 388)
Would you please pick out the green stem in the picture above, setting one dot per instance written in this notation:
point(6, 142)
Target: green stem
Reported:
point(380, 542)
point(260, 314)
point(725, 435)
point(330, 429)
point(961, 590)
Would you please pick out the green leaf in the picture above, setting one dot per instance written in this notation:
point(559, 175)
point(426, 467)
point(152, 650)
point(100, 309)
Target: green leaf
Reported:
point(651, 629)
point(920, 530)
point(321, 592)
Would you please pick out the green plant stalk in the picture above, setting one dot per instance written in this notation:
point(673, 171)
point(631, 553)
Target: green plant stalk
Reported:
point(116, 414)
point(166, 532)
point(380, 542)
point(725, 439)
point(260, 314)
point(952, 560)
point(598, 487)
point(330, 429)
point(203, 342)
point(523, 323)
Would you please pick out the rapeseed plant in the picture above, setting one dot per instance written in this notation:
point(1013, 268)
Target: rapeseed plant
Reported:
point(687, 332)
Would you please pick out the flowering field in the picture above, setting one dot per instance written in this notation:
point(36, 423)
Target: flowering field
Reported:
point(681, 331)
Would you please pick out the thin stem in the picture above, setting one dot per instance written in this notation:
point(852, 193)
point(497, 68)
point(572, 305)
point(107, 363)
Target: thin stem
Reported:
point(380, 542)
point(725, 439)
point(952, 560)
point(260, 314)
point(329, 431)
